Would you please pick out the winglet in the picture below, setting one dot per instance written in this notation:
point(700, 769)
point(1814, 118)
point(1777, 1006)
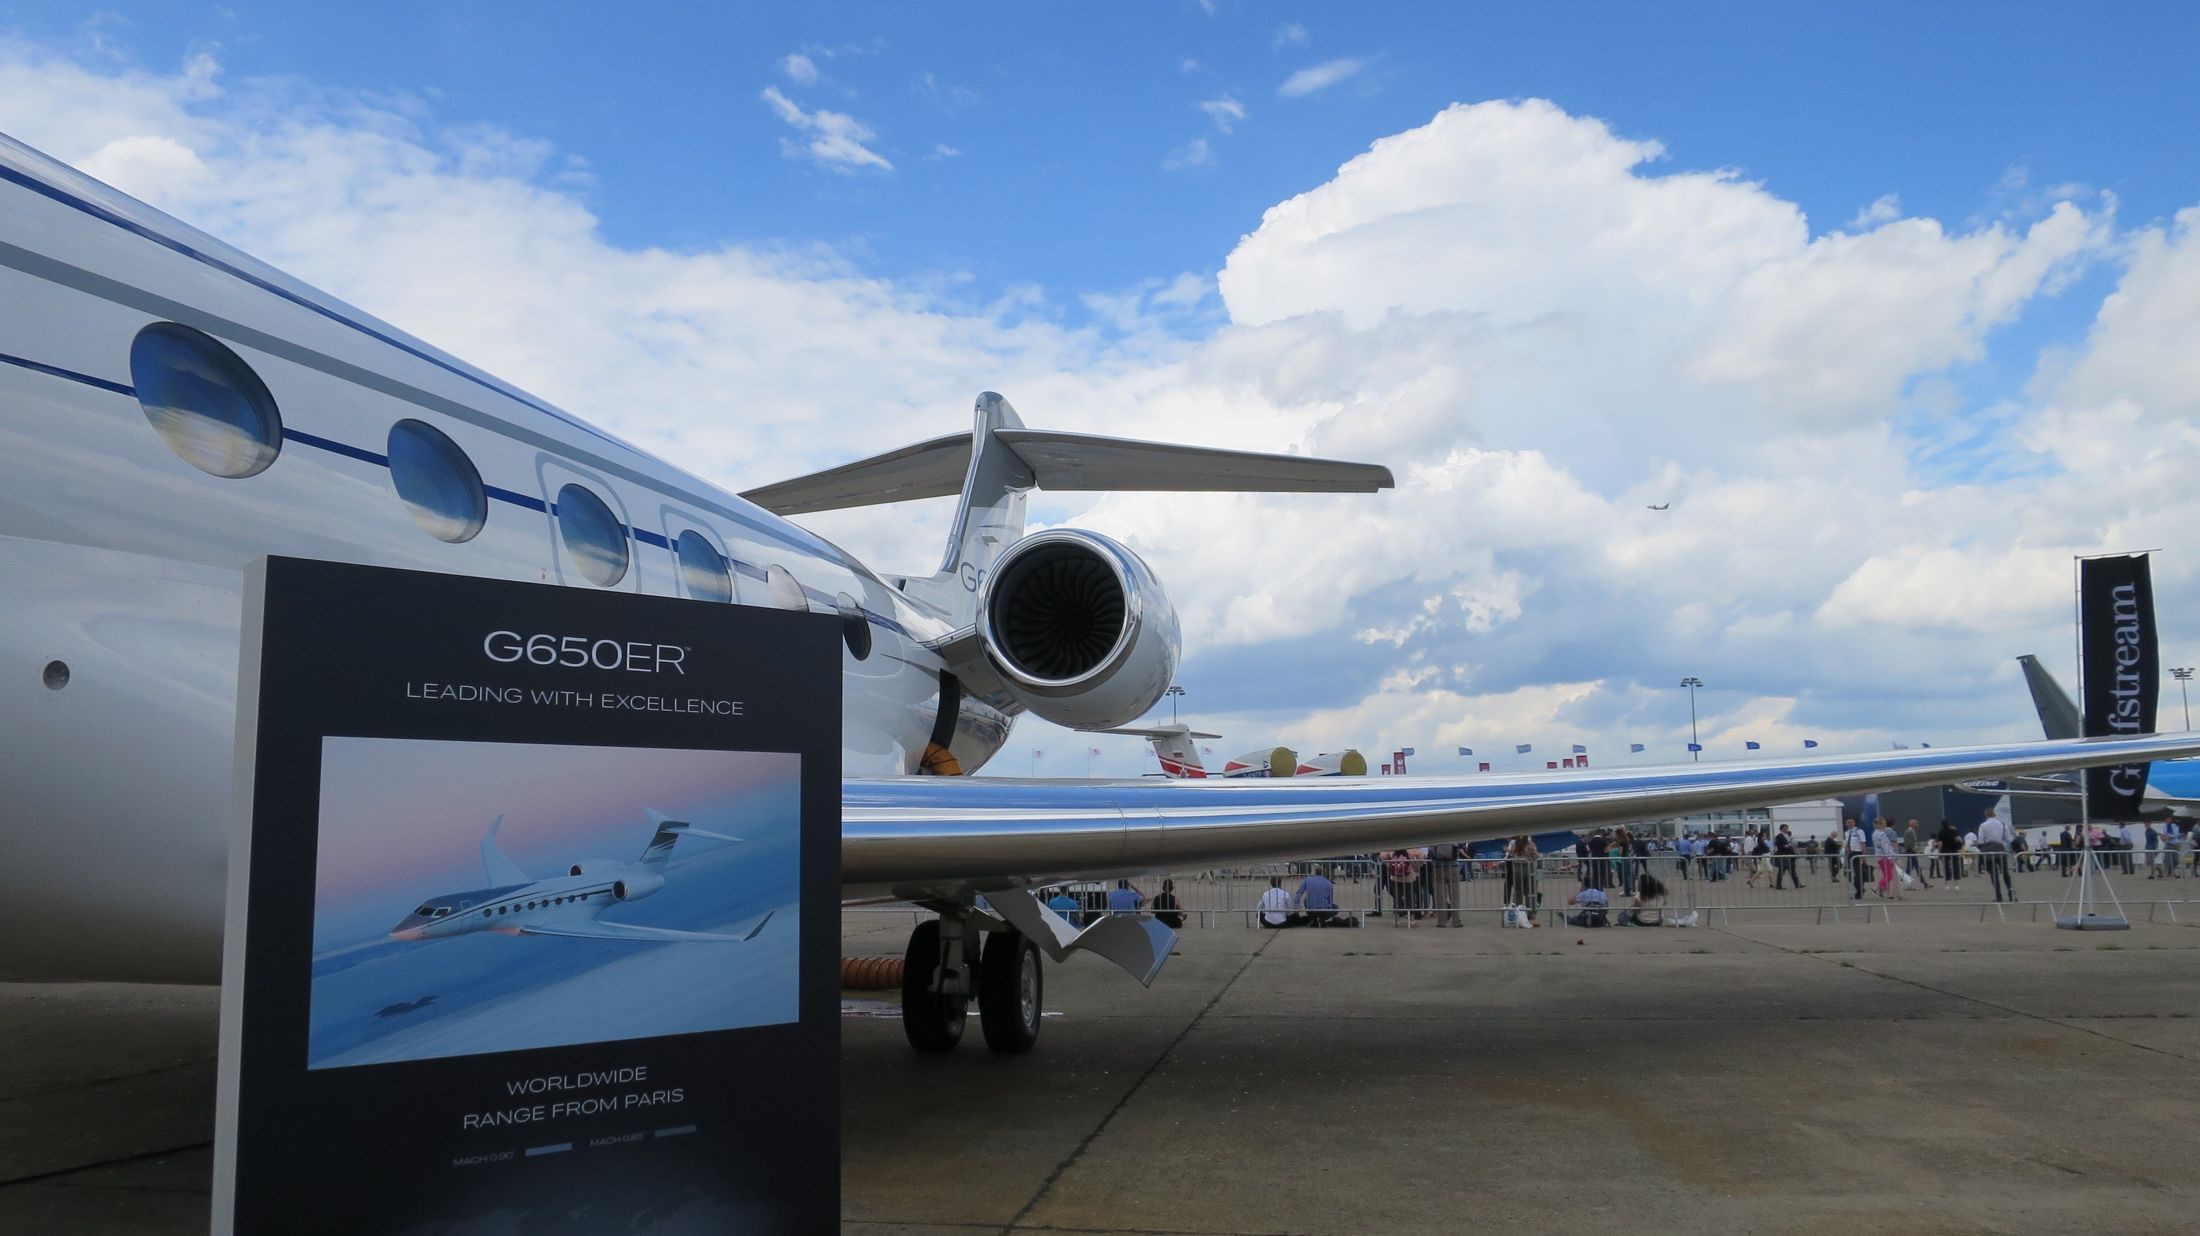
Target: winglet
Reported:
point(501, 870)
point(759, 928)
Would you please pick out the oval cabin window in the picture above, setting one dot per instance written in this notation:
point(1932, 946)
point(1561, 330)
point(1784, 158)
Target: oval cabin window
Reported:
point(594, 538)
point(782, 590)
point(855, 629)
point(206, 403)
point(440, 487)
point(703, 569)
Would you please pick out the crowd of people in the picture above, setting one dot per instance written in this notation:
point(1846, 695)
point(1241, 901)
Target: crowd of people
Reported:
point(1883, 860)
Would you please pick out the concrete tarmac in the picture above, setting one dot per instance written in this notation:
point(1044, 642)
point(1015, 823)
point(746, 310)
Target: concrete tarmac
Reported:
point(1936, 1075)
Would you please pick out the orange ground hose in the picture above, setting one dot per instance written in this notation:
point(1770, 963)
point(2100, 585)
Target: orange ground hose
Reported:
point(870, 973)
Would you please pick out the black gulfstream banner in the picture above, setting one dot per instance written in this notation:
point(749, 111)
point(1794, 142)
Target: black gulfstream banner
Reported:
point(532, 912)
point(2121, 673)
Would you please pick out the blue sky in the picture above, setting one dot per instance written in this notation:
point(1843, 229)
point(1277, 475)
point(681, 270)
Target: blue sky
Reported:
point(764, 239)
point(1064, 116)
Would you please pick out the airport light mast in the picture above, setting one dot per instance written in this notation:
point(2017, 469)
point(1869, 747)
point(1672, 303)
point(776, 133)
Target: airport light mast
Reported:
point(2183, 675)
point(1176, 693)
point(1695, 747)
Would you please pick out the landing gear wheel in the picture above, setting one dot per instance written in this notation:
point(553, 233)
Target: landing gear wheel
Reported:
point(1011, 993)
point(932, 1020)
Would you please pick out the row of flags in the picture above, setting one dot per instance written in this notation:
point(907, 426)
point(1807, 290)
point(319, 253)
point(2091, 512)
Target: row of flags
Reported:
point(1634, 748)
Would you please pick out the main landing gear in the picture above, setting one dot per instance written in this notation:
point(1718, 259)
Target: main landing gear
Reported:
point(945, 967)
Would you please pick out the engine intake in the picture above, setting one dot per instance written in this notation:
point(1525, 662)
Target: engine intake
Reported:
point(1080, 627)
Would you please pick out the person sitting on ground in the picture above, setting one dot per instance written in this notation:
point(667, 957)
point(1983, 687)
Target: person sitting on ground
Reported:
point(1125, 899)
point(1066, 906)
point(1648, 908)
point(1594, 908)
point(1167, 910)
point(1275, 905)
point(1317, 899)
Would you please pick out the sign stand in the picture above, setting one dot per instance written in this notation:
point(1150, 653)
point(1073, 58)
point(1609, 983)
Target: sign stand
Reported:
point(2085, 915)
point(532, 914)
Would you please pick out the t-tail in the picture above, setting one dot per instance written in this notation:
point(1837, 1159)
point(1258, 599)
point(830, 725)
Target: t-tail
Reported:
point(1175, 745)
point(996, 465)
point(1067, 624)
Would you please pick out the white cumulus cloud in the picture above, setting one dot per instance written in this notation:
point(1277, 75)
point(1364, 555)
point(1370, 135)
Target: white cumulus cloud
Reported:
point(1321, 76)
point(1225, 112)
point(835, 139)
point(1537, 323)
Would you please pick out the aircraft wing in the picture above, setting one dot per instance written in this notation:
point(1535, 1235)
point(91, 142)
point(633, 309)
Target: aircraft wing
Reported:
point(948, 837)
point(600, 930)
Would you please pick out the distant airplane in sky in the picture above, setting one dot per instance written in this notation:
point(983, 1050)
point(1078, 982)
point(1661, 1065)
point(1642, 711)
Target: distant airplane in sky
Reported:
point(515, 904)
point(1661, 506)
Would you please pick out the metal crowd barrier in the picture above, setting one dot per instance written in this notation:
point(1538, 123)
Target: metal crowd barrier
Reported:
point(1821, 884)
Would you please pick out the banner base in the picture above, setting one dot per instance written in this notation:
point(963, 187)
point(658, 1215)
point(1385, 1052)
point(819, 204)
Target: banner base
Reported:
point(2093, 922)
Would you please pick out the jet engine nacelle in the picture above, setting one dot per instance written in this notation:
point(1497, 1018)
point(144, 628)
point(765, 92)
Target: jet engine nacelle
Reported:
point(636, 887)
point(1345, 763)
point(1080, 629)
point(1268, 762)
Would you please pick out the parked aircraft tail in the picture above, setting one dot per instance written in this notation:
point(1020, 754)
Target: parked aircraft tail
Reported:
point(2058, 715)
point(1174, 745)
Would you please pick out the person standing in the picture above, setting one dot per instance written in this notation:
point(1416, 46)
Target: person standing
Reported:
point(1403, 874)
point(1884, 848)
point(1832, 849)
point(1951, 853)
point(1993, 848)
point(2154, 851)
point(1520, 881)
point(1443, 866)
point(1854, 843)
point(1783, 859)
point(1910, 848)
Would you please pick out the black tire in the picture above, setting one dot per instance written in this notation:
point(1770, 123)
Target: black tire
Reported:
point(1011, 993)
point(932, 1021)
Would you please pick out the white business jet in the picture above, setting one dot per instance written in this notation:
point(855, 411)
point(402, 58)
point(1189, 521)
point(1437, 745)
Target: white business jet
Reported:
point(172, 409)
point(516, 904)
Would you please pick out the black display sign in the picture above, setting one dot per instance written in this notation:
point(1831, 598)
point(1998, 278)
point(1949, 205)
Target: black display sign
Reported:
point(2120, 676)
point(533, 923)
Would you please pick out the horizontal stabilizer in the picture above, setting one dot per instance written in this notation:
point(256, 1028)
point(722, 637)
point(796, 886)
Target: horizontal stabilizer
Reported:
point(1167, 731)
point(1068, 462)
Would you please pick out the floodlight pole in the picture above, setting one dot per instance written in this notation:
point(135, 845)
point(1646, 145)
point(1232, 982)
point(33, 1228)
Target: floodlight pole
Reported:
point(1695, 745)
point(2183, 675)
point(1174, 693)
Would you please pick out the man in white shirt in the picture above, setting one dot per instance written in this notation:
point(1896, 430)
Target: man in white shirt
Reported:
point(1275, 904)
point(1993, 845)
point(1853, 845)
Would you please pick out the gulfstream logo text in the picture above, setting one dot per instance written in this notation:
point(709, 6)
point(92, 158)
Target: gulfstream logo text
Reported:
point(581, 652)
point(2123, 716)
